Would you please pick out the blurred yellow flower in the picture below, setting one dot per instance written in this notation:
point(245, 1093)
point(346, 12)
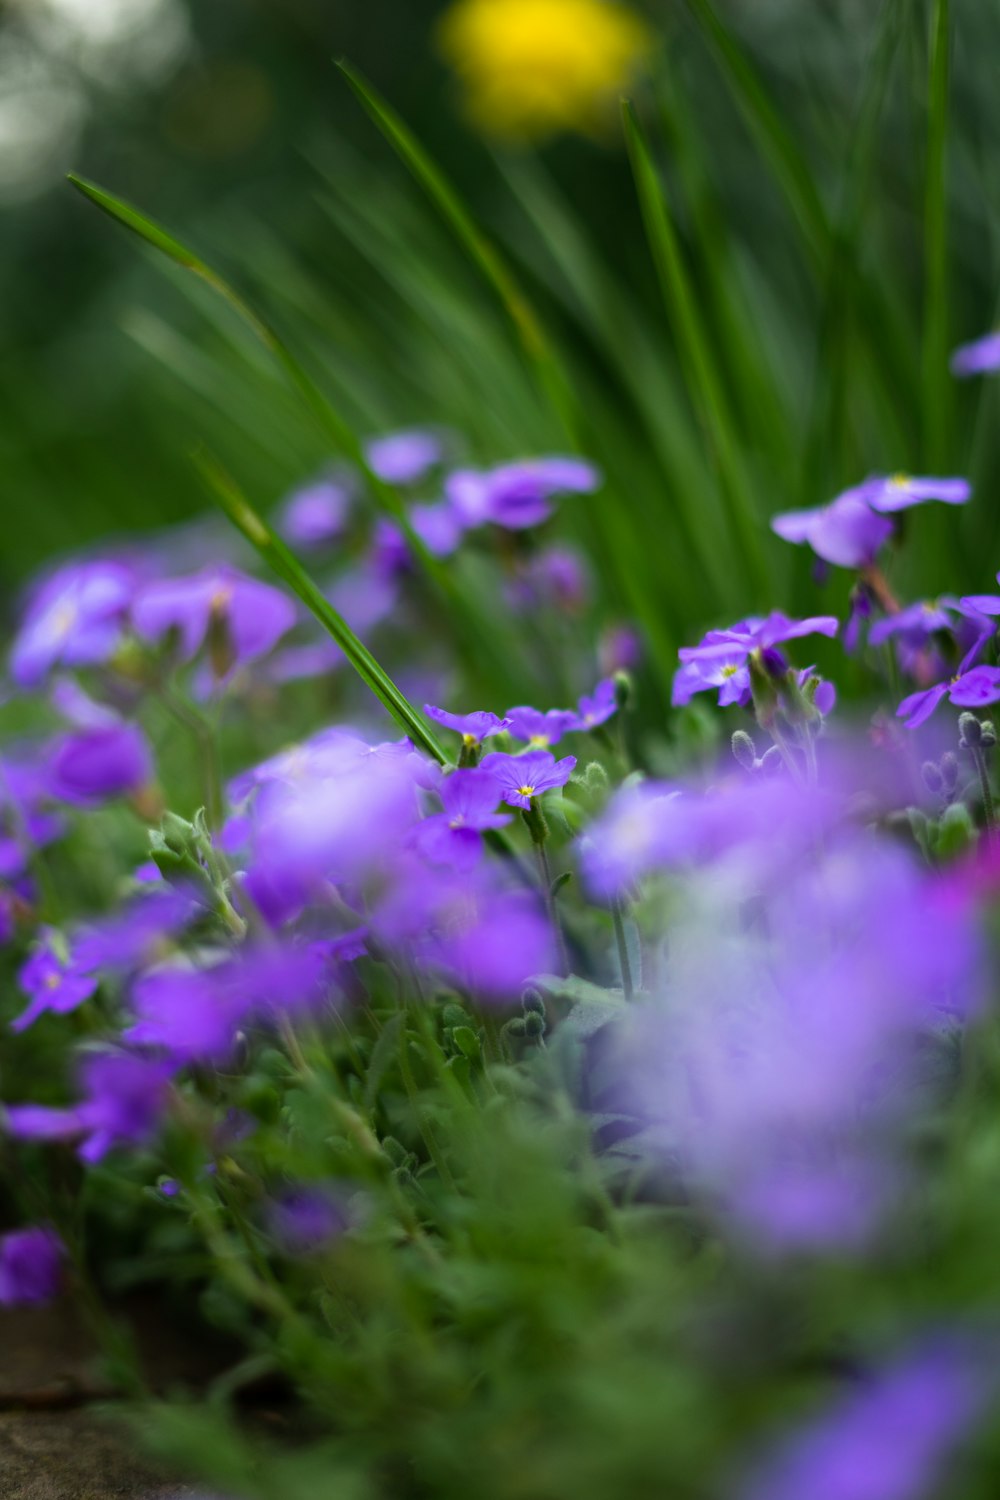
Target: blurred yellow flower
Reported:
point(533, 67)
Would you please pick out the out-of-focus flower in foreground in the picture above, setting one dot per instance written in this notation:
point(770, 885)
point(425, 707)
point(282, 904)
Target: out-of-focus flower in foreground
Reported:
point(531, 68)
point(30, 1266)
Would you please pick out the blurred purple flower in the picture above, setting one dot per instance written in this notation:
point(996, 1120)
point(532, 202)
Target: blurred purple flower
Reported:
point(452, 837)
point(366, 595)
point(555, 576)
point(308, 1219)
point(93, 765)
point(597, 709)
point(253, 615)
point(299, 663)
point(51, 984)
point(124, 1100)
point(517, 495)
point(847, 532)
point(889, 493)
point(522, 778)
point(74, 619)
point(981, 357)
point(317, 514)
point(893, 1437)
point(129, 939)
point(404, 457)
point(31, 1266)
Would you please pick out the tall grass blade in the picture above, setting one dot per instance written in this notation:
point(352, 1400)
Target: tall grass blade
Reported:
point(936, 376)
point(482, 251)
point(339, 431)
point(283, 562)
point(695, 350)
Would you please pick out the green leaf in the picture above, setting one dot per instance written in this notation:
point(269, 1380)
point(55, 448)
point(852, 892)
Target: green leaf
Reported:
point(382, 1058)
point(936, 374)
point(695, 349)
point(283, 562)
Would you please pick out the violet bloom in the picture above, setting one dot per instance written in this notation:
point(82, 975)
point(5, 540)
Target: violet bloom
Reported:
point(889, 493)
point(51, 984)
point(93, 765)
point(453, 837)
point(893, 1437)
point(626, 841)
point(847, 532)
point(365, 596)
point(522, 778)
point(74, 619)
point(467, 928)
point(721, 659)
point(973, 689)
point(300, 663)
point(404, 457)
point(593, 711)
point(307, 1220)
point(124, 1100)
point(318, 514)
point(474, 728)
point(251, 616)
point(31, 1266)
point(436, 525)
point(129, 939)
point(918, 624)
point(981, 357)
point(518, 495)
point(537, 729)
point(555, 576)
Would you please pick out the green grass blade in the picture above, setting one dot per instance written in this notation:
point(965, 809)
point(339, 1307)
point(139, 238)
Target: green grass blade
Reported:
point(339, 431)
point(937, 388)
point(776, 141)
point(283, 562)
point(482, 251)
point(695, 350)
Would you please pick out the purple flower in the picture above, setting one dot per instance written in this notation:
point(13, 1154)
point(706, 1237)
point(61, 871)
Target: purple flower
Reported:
point(437, 526)
point(554, 576)
point(129, 939)
point(596, 710)
point(894, 1437)
point(124, 1100)
point(307, 1220)
point(517, 495)
point(298, 663)
point(888, 493)
point(720, 659)
point(981, 357)
point(620, 650)
point(404, 457)
point(474, 728)
point(366, 596)
point(847, 532)
point(31, 1266)
point(973, 689)
point(93, 765)
point(525, 777)
point(252, 616)
point(452, 837)
point(317, 514)
point(627, 840)
point(74, 619)
point(466, 927)
point(538, 729)
point(918, 624)
point(51, 984)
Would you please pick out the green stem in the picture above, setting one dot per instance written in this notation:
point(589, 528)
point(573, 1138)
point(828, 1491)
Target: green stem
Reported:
point(624, 962)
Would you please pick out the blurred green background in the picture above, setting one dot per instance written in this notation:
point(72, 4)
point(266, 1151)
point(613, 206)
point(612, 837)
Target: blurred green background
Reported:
point(836, 213)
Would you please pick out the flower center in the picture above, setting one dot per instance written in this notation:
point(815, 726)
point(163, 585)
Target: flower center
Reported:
point(469, 740)
point(540, 741)
point(899, 481)
point(526, 791)
point(730, 671)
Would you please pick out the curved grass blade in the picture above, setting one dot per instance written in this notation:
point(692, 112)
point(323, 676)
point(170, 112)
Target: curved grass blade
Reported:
point(282, 561)
point(695, 348)
point(482, 251)
point(936, 376)
point(329, 418)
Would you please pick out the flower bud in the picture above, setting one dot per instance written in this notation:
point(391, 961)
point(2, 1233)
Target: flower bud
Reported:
point(744, 751)
point(970, 732)
point(532, 1001)
point(770, 761)
point(949, 770)
point(595, 777)
point(624, 690)
point(933, 780)
point(534, 1025)
point(989, 734)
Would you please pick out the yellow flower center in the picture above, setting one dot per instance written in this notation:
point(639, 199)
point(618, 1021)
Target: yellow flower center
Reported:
point(539, 741)
point(729, 671)
point(899, 481)
point(526, 791)
point(469, 740)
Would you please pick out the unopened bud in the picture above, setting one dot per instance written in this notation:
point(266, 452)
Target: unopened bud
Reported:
point(532, 1001)
point(534, 1025)
point(624, 690)
point(970, 732)
point(595, 777)
point(744, 750)
point(771, 761)
point(949, 770)
point(933, 780)
point(989, 738)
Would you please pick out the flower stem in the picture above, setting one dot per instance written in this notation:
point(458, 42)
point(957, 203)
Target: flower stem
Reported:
point(624, 961)
point(989, 812)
